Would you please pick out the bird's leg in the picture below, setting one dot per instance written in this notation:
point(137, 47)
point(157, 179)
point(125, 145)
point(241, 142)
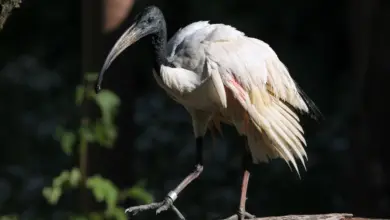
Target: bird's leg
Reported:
point(246, 164)
point(244, 188)
point(172, 195)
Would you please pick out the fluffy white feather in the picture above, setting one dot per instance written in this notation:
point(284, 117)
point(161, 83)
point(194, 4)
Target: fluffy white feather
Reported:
point(239, 80)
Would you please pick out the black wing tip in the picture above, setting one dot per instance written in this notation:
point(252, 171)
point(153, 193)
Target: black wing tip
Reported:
point(314, 112)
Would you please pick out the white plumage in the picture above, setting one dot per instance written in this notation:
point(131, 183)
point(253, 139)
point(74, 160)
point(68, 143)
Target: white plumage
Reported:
point(220, 72)
point(220, 75)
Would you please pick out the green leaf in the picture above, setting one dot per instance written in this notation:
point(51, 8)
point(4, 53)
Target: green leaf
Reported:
point(103, 190)
point(67, 140)
point(86, 132)
point(74, 177)
point(91, 76)
point(52, 195)
point(66, 178)
point(100, 133)
point(105, 134)
point(116, 213)
point(111, 133)
point(91, 94)
point(137, 192)
point(9, 217)
point(79, 95)
point(108, 103)
point(61, 179)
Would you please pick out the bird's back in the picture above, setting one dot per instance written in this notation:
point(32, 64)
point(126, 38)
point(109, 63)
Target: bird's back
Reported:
point(187, 44)
point(181, 34)
point(258, 90)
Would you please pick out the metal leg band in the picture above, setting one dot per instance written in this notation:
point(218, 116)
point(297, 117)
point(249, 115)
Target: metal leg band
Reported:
point(172, 195)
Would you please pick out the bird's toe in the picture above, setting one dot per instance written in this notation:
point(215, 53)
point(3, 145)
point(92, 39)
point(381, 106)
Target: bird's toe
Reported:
point(131, 211)
point(165, 205)
point(247, 216)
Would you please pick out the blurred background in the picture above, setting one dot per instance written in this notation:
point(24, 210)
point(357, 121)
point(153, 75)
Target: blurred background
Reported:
point(69, 154)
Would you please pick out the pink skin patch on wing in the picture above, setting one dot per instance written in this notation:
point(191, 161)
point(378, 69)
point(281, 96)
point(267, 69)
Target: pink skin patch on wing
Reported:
point(242, 92)
point(236, 84)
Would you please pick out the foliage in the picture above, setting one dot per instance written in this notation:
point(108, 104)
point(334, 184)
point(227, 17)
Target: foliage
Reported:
point(40, 52)
point(103, 132)
point(9, 217)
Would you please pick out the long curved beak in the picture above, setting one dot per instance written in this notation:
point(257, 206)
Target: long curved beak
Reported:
point(131, 35)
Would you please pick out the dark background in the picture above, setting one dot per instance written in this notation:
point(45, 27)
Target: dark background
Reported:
point(338, 52)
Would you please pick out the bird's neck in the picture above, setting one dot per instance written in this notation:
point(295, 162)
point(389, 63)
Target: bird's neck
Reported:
point(159, 41)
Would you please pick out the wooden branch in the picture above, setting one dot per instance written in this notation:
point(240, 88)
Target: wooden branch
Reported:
point(331, 216)
point(6, 8)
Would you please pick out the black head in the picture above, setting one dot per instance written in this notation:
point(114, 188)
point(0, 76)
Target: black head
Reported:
point(149, 21)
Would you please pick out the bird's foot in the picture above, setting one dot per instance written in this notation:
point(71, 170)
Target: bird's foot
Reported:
point(246, 215)
point(159, 206)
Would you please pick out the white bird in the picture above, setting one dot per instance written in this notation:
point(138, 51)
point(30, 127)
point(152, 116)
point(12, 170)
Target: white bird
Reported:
point(219, 74)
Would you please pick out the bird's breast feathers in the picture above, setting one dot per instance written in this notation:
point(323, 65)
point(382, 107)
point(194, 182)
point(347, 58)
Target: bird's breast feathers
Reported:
point(191, 89)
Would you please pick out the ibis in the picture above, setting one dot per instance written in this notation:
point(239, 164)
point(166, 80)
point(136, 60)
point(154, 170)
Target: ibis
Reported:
point(220, 75)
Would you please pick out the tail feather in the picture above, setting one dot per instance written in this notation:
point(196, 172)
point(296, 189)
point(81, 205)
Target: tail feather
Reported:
point(286, 109)
point(281, 85)
point(289, 136)
point(265, 115)
point(268, 132)
point(273, 129)
point(291, 122)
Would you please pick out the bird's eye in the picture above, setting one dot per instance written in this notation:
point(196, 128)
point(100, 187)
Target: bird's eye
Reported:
point(150, 20)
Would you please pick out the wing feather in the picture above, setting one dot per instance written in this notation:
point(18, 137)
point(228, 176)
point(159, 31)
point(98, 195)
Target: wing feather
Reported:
point(253, 88)
point(262, 85)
